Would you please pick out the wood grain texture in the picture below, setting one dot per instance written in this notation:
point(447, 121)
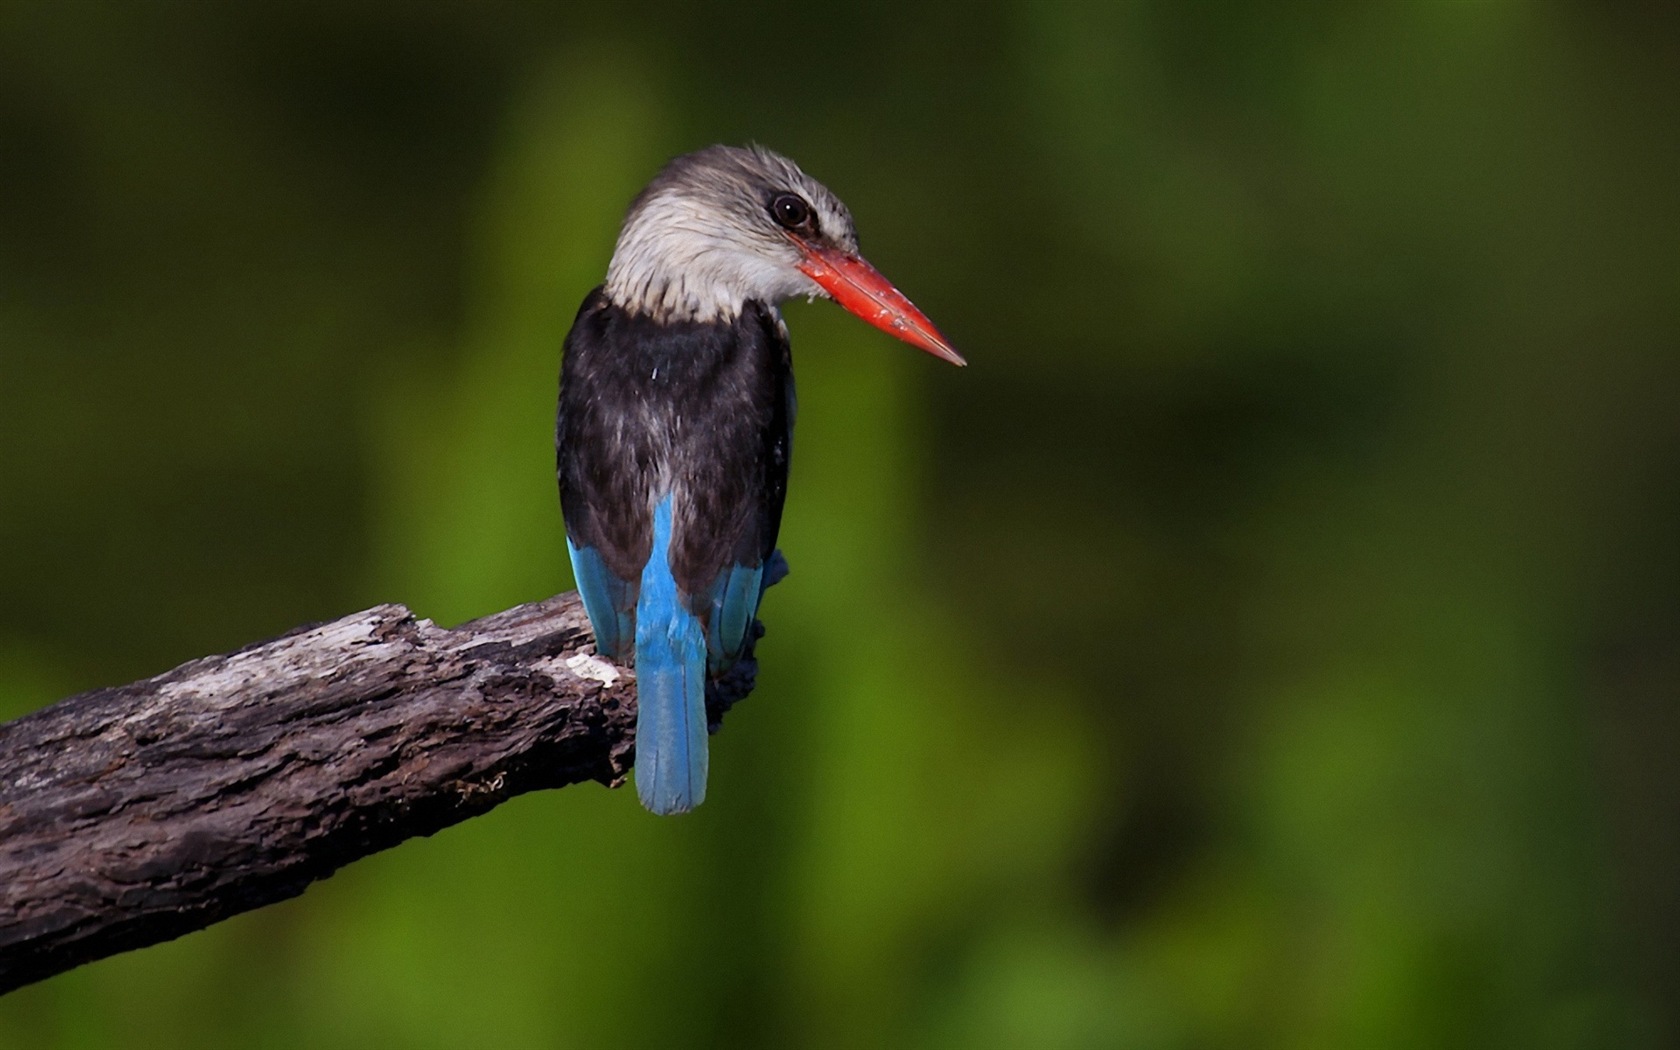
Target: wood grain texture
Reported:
point(135, 814)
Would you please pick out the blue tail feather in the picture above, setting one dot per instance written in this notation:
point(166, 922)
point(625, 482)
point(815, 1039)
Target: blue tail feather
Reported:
point(671, 756)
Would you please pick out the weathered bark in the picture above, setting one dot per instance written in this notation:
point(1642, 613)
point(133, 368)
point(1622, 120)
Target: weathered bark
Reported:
point(135, 814)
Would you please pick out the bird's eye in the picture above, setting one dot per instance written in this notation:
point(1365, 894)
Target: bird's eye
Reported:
point(790, 211)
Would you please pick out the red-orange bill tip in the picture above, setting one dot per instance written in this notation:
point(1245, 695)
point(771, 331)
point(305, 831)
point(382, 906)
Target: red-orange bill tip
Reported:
point(861, 289)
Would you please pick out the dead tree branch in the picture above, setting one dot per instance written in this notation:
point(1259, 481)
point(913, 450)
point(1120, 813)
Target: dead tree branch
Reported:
point(132, 815)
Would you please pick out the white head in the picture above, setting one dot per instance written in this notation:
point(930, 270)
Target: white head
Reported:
point(725, 225)
point(705, 235)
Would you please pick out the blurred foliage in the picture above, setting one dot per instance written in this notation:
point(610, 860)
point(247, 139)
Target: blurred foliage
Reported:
point(1272, 640)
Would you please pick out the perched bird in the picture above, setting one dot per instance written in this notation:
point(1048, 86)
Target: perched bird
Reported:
point(676, 422)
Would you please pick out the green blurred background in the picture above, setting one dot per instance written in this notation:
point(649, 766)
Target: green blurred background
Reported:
point(1270, 640)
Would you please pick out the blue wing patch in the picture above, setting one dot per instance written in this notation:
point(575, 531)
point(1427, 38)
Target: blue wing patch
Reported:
point(609, 601)
point(734, 603)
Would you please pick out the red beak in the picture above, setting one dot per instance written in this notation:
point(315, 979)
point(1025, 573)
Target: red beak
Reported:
point(858, 287)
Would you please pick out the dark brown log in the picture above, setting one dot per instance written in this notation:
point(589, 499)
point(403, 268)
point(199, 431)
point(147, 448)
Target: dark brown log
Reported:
point(135, 814)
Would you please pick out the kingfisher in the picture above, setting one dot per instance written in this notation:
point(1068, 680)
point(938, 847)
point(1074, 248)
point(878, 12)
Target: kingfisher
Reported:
point(675, 426)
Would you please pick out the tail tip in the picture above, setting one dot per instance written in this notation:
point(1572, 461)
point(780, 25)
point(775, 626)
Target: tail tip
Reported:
point(661, 800)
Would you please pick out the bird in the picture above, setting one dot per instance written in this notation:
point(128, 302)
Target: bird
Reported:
point(675, 426)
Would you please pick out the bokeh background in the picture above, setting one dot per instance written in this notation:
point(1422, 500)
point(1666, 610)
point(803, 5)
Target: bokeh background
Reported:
point(1272, 640)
